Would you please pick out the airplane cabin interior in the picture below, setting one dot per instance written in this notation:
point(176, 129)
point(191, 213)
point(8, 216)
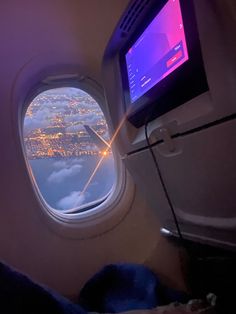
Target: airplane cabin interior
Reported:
point(118, 151)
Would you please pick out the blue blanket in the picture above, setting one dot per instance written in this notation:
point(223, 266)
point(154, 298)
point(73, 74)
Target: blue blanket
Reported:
point(123, 287)
point(20, 295)
point(115, 288)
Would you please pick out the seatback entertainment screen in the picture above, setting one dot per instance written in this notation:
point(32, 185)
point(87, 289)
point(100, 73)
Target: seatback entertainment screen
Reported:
point(158, 51)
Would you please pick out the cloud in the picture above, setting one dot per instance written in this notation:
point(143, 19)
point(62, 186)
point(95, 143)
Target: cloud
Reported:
point(91, 118)
point(40, 119)
point(52, 103)
point(58, 108)
point(62, 174)
point(60, 164)
point(67, 163)
point(77, 161)
point(106, 136)
point(70, 91)
point(86, 118)
point(92, 147)
point(74, 199)
point(73, 118)
point(75, 128)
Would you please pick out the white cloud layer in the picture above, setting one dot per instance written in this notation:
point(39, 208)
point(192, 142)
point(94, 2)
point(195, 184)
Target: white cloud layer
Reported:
point(75, 128)
point(73, 200)
point(55, 102)
point(67, 163)
point(60, 175)
point(40, 119)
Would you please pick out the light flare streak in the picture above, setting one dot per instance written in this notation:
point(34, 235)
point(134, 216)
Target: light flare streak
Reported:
point(105, 152)
point(92, 175)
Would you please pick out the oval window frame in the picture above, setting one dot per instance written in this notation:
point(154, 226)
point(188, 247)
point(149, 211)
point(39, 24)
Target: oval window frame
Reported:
point(106, 215)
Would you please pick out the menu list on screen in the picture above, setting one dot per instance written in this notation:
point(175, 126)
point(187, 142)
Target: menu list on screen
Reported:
point(159, 50)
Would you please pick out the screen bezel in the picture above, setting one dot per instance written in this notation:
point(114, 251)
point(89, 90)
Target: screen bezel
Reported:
point(176, 88)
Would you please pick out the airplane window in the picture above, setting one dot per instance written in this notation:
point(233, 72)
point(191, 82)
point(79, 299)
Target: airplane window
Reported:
point(67, 145)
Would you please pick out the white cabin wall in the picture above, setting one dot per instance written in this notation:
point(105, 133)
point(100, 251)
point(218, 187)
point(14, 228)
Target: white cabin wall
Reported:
point(28, 243)
point(57, 27)
point(58, 33)
point(64, 264)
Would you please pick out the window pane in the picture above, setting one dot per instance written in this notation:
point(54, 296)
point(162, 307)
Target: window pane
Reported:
point(67, 145)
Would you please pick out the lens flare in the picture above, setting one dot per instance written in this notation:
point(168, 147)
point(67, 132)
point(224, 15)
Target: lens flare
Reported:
point(105, 152)
point(92, 175)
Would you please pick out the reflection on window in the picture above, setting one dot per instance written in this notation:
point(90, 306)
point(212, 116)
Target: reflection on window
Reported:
point(67, 145)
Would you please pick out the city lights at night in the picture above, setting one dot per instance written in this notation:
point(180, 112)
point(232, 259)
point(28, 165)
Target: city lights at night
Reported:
point(57, 130)
point(68, 148)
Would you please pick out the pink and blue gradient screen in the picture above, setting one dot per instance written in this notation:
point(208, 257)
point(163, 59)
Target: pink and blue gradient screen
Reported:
point(158, 51)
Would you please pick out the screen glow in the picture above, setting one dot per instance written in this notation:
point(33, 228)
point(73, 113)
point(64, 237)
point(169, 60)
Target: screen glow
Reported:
point(159, 50)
